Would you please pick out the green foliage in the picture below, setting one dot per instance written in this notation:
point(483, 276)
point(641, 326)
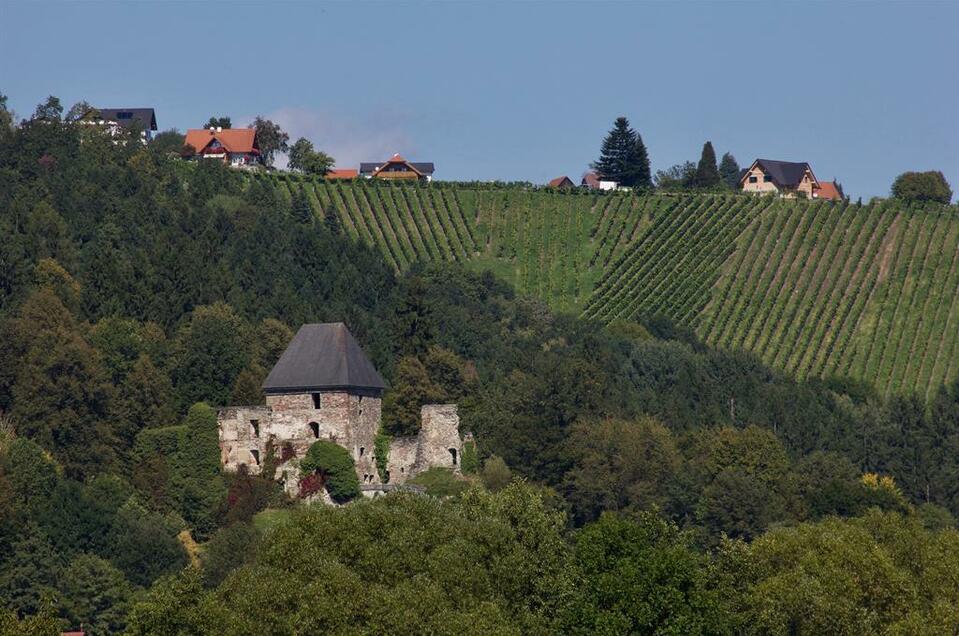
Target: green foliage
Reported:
point(229, 548)
point(729, 171)
point(270, 139)
point(619, 465)
point(707, 173)
point(143, 545)
point(470, 461)
point(219, 122)
point(381, 452)
point(440, 482)
point(623, 157)
point(96, 595)
point(642, 578)
point(44, 623)
point(335, 467)
point(209, 353)
point(496, 474)
point(305, 159)
point(922, 186)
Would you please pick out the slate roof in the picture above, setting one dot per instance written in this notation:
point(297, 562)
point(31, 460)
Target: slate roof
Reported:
point(323, 357)
point(423, 167)
point(241, 140)
point(125, 117)
point(785, 173)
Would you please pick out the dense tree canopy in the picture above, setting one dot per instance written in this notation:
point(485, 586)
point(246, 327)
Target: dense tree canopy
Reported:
point(922, 186)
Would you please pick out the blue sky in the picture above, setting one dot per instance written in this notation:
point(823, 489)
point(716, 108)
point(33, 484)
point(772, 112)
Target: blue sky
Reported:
point(521, 90)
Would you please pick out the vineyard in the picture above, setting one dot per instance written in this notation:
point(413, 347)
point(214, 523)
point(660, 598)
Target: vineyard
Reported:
point(815, 288)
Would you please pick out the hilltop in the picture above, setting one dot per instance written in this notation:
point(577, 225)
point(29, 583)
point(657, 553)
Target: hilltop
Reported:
point(818, 289)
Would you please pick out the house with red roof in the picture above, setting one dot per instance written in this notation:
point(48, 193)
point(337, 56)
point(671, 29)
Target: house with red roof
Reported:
point(562, 182)
point(396, 167)
point(342, 173)
point(233, 146)
point(595, 181)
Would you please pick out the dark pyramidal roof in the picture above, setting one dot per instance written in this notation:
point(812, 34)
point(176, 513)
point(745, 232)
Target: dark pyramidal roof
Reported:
point(323, 357)
point(785, 173)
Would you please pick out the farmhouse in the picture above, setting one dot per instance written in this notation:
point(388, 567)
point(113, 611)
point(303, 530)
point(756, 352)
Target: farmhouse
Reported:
point(116, 119)
point(788, 178)
point(324, 387)
point(234, 146)
point(562, 182)
point(396, 167)
point(594, 181)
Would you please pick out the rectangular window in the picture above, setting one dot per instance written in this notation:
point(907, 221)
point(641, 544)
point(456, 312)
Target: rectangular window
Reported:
point(767, 178)
point(255, 427)
point(317, 401)
point(255, 454)
point(753, 180)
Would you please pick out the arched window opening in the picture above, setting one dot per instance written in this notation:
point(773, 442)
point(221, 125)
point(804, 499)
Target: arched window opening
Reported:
point(453, 454)
point(255, 454)
point(316, 430)
point(362, 450)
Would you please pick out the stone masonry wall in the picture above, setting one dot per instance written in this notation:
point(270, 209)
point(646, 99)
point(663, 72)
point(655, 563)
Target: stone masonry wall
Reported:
point(350, 420)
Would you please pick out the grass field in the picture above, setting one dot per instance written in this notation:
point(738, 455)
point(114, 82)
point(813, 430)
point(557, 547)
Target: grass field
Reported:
point(814, 288)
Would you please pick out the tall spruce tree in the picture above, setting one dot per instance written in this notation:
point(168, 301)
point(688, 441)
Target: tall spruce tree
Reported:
point(707, 174)
point(729, 171)
point(623, 157)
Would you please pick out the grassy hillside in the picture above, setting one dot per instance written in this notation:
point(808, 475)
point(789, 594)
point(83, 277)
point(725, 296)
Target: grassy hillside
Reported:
point(814, 288)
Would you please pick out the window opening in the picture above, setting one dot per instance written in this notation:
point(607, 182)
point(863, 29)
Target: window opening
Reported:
point(256, 456)
point(255, 427)
point(317, 400)
point(453, 453)
point(316, 430)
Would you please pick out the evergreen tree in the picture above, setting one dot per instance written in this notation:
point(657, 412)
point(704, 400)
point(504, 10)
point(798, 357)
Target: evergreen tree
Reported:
point(707, 174)
point(729, 171)
point(623, 157)
point(639, 162)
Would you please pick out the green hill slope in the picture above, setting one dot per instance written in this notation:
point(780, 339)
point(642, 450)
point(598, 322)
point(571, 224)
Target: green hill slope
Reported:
point(814, 288)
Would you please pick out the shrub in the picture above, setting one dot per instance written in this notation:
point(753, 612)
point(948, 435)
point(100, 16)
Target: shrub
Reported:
point(381, 452)
point(470, 463)
point(440, 482)
point(334, 466)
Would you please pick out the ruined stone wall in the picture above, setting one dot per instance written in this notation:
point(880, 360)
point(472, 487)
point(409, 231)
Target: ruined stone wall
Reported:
point(350, 420)
point(438, 444)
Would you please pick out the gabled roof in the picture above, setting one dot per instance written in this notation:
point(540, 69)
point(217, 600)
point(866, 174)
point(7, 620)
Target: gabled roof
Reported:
point(561, 181)
point(829, 190)
point(784, 173)
point(342, 173)
point(591, 179)
point(323, 357)
point(419, 167)
point(124, 117)
point(232, 139)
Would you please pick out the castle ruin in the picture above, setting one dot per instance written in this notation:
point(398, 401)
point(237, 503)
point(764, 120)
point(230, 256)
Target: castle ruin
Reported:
point(325, 388)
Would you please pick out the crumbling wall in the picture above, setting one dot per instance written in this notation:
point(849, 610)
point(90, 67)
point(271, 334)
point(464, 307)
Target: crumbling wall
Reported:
point(437, 444)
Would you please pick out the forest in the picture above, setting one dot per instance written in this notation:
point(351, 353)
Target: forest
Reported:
point(630, 477)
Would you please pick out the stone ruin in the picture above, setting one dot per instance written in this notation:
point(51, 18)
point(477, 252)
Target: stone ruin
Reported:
point(325, 388)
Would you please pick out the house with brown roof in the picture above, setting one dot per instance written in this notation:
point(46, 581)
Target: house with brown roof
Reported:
point(562, 182)
point(789, 179)
point(233, 146)
point(396, 167)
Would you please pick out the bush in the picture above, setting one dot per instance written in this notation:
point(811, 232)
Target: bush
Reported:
point(440, 482)
point(333, 464)
point(381, 452)
point(496, 474)
point(470, 463)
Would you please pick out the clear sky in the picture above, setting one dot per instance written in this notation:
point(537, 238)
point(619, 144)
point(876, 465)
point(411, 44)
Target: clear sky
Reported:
point(521, 90)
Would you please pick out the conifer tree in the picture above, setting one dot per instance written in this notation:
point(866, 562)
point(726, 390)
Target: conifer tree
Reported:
point(729, 171)
point(707, 174)
point(623, 157)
